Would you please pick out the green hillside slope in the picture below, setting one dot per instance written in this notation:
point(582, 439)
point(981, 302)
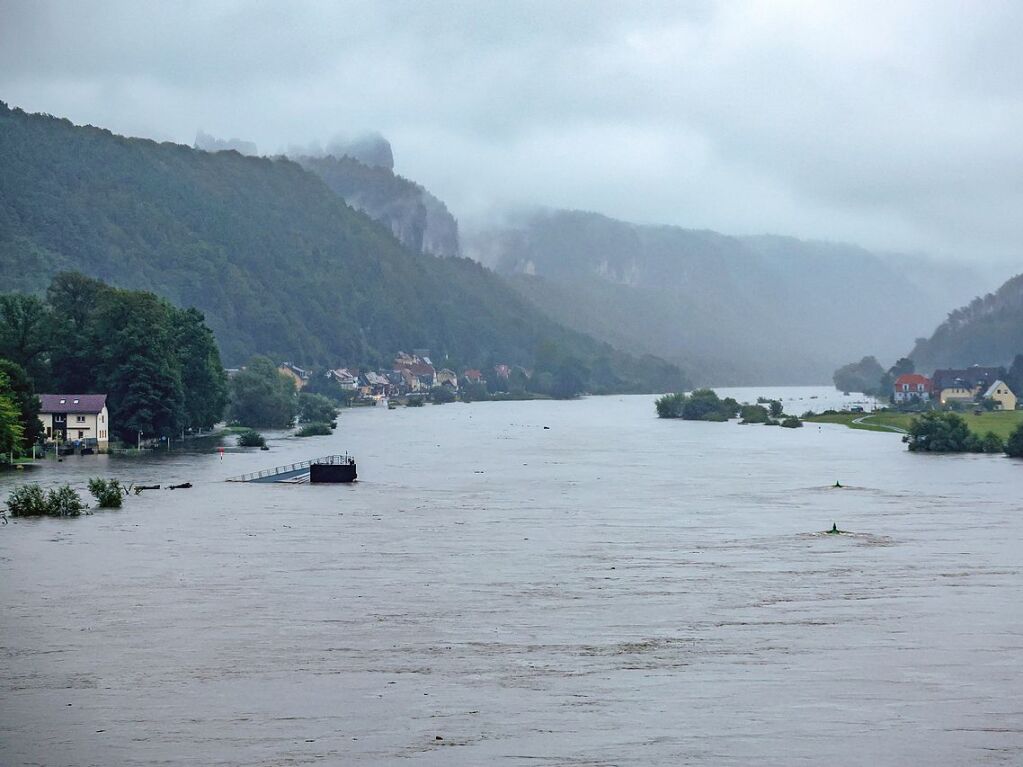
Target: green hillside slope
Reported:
point(987, 331)
point(276, 261)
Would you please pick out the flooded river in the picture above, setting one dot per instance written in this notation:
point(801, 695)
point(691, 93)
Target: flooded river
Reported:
point(612, 590)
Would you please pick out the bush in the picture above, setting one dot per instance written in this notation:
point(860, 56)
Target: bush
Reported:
point(314, 430)
point(940, 432)
point(753, 414)
point(29, 501)
point(670, 405)
point(315, 408)
point(1014, 445)
point(107, 492)
point(251, 438)
point(440, 395)
point(792, 423)
point(990, 443)
point(414, 402)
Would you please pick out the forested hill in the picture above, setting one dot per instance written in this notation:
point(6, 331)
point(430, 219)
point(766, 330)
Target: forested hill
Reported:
point(276, 261)
point(417, 218)
point(735, 310)
point(987, 331)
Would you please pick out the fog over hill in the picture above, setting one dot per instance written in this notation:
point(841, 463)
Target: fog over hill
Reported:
point(734, 310)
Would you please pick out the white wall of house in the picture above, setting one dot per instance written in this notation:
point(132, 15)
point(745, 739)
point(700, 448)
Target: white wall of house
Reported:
point(79, 426)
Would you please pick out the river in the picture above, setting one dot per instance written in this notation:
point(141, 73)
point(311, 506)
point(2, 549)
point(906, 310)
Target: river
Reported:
point(526, 583)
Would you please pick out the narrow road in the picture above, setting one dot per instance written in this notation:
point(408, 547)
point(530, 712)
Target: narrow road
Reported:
point(862, 418)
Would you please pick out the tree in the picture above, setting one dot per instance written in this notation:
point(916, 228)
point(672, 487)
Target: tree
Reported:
point(262, 396)
point(775, 408)
point(203, 381)
point(1014, 375)
point(24, 332)
point(939, 432)
point(315, 408)
point(12, 433)
point(73, 299)
point(1014, 445)
point(22, 392)
point(863, 376)
point(137, 364)
point(670, 405)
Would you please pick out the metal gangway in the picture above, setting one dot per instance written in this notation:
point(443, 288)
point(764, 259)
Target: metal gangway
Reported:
point(294, 473)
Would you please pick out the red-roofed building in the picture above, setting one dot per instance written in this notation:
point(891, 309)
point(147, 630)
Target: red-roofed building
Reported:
point(911, 386)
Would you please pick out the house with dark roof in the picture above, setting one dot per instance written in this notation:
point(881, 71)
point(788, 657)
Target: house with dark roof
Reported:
point(75, 418)
point(962, 385)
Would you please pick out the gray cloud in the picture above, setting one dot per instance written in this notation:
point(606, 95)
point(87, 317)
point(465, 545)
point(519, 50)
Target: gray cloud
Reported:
point(894, 125)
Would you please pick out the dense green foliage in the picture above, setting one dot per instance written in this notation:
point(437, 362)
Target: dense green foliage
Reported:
point(251, 438)
point(20, 388)
point(262, 396)
point(12, 433)
point(1014, 445)
point(314, 430)
point(700, 405)
point(315, 408)
point(791, 422)
point(863, 376)
point(275, 260)
point(753, 414)
point(940, 432)
point(108, 492)
point(441, 395)
point(159, 365)
point(30, 501)
point(988, 331)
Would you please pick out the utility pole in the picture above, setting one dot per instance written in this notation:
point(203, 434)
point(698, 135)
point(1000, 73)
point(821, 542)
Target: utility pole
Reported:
point(140, 442)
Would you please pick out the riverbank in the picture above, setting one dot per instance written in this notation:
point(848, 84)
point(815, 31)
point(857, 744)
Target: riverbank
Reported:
point(1001, 423)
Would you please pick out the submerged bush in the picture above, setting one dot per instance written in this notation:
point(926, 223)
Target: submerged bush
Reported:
point(314, 430)
point(792, 423)
point(1014, 445)
point(27, 501)
point(753, 414)
point(30, 501)
point(670, 405)
point(251, 438)
point(107, 492)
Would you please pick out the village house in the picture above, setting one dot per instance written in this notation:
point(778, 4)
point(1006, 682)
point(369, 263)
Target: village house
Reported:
point(345, 378)
point(1002, 395)
point(962, 385)
point(910, 387)
point(298, 376)
point(473, 376)
point(446, 377)
point(75, 418)
point(373, 385)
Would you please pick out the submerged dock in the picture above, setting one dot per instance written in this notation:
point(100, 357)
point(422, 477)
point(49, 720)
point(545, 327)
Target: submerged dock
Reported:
point(328, 469)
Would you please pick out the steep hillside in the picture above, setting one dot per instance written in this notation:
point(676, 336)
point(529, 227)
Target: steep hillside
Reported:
point(417, 218)
point(987, 331)
point(276, 261)
point(736, 309)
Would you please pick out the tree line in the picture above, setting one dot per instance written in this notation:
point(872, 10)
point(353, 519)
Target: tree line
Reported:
point(159, 365)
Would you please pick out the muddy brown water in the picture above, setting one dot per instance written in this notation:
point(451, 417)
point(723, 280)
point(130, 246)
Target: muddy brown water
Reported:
point(612, 590)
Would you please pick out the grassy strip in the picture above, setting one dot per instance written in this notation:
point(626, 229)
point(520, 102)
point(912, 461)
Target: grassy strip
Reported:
point(1001, 423)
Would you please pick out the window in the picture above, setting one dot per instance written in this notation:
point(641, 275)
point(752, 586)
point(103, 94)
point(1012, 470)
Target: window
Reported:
point(79, 419)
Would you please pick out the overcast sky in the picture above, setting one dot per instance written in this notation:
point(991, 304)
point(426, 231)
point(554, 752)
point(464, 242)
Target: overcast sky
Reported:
point(892, 124)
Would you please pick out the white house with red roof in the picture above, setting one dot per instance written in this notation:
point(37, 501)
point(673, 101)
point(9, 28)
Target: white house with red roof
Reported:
point(75, 417)
point(911, 386)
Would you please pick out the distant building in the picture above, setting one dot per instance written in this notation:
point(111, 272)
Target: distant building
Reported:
point(1000, 393)
point(447, 377)
point(473, 377)
point(911, 386)
point(345, 378)
point(299, 376)
point(75, 417)
point(962, 384)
